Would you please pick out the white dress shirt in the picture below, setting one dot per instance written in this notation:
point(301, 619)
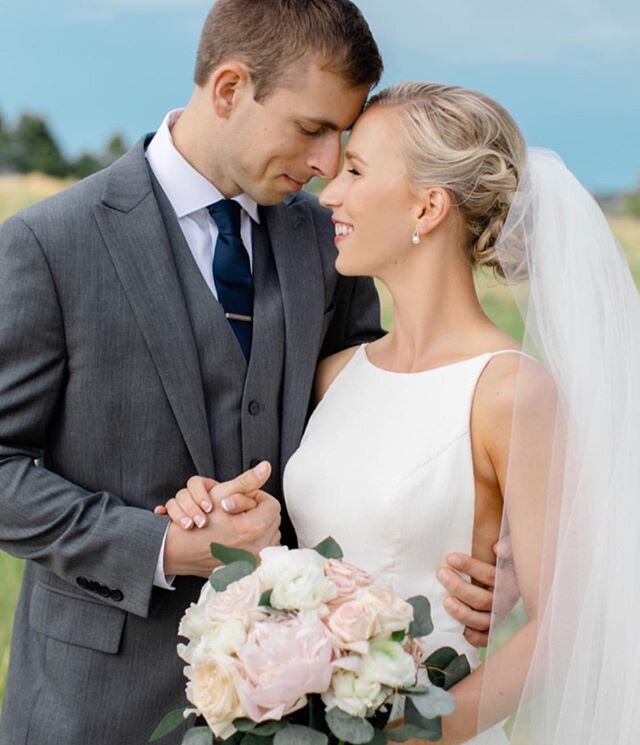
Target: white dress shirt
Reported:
point(190, 193)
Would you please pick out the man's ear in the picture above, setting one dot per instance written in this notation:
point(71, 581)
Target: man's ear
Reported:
point(434, 206)
point(227, 84)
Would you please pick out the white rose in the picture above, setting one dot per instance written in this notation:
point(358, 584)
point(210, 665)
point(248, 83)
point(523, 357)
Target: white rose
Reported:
point(240, 600)
point(194, 623)
point(388, 664)
point(224, 638)
point(297, 578)
point(355, 695)
point(393, 613)
point(212, 691)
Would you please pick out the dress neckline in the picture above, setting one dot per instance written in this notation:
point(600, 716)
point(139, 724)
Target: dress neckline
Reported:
point(363, 352)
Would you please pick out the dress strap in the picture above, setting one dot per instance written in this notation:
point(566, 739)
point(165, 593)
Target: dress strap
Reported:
point(513, 351)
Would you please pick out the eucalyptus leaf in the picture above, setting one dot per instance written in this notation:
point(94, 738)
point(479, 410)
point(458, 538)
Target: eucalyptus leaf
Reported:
point(422, 624)
point(408, 731)
point(434, 703)
point(252, 738)
point(198, 736)
point(262, 730)
point(456, 671)
point(379, 738)
point(398, 636)
point(227, 575)
point(228, 555)
point(346, 727)
point(265, 598)
point(169, 722)
point(431, 726)
point(437, 663)
point(329, 549)
point(296, 734)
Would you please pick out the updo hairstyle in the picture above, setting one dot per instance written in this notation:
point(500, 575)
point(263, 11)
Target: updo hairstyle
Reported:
point(467, 143)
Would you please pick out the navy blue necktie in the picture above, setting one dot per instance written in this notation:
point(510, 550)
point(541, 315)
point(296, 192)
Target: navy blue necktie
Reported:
point(232, 271)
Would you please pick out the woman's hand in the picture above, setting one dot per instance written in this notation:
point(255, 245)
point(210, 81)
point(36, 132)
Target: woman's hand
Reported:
point(202, 495)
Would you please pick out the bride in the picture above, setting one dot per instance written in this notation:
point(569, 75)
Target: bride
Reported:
point(446, 435)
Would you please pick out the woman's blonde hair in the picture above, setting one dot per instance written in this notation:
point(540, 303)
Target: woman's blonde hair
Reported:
point(467, 143)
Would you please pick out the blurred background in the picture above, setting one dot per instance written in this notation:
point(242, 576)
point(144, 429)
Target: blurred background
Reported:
point(82, 82)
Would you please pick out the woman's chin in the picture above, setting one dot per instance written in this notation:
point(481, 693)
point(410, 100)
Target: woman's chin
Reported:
point(348, 268)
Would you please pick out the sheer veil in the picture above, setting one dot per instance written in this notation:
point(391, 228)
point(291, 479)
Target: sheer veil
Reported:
point(581, 311)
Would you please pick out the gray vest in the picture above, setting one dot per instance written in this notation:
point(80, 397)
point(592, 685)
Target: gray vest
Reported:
point(243, 400)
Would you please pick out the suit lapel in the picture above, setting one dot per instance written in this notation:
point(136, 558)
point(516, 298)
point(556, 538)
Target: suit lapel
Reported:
point(134, 233)
point(295, 248)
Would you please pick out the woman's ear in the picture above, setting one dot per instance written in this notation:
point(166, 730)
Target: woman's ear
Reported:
point(226, 86)
point(434, 207)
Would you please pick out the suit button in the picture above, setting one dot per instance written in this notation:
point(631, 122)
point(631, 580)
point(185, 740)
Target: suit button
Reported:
point(116, 595)
point(254, 463)
point(82, 581)
point(103, 591)
point(254, 408)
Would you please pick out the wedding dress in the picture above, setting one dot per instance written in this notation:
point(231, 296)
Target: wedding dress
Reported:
point(385, 467)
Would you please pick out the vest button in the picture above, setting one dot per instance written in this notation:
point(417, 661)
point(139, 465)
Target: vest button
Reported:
point(254, 462)
point(254, 408)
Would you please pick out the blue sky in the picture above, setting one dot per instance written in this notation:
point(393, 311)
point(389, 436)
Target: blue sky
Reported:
point(567, 70)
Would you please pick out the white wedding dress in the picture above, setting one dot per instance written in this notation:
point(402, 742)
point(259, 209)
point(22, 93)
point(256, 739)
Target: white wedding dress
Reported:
point(385, 468)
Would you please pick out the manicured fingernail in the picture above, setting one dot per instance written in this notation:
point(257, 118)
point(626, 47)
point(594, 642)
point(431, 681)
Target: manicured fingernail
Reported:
point(450, 604)
point(455, 561)
point(261, 469)
point(185, 522)
point(207, 506)
point(229, 504)
point(200, 520)
point(444, 575)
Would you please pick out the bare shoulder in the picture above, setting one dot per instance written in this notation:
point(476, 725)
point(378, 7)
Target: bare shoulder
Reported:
point(328, 370)
point(510, 384)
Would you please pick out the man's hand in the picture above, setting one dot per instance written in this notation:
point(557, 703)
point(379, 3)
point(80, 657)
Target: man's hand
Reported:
point(187, 553)
point(471, 604)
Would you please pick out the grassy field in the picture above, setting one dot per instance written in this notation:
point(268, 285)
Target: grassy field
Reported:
point(17, 192)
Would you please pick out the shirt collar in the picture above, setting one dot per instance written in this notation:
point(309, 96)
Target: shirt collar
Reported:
point(187, 190)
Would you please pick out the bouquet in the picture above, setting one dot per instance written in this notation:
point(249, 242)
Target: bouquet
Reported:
point(304, 649)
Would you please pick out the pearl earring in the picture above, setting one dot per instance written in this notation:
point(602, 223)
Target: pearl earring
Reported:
point(416, 238)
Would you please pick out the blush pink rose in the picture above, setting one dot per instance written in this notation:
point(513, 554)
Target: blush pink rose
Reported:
point(353, 624)
point(282, 661)
point(347, 578)
point(239, 601)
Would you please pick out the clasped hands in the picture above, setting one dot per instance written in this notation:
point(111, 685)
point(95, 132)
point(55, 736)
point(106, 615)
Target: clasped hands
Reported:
point(238, 513)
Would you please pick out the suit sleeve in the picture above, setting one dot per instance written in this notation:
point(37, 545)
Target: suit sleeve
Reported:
point(94, 540)
point(356, 318)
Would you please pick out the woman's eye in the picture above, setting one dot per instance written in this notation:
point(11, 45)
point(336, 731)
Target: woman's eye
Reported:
point(353, 172)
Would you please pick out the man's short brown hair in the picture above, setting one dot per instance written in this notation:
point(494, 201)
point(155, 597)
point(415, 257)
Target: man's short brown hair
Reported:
point(270, 36)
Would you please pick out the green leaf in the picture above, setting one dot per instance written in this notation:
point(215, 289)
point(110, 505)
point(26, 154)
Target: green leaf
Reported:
point(398, 636)
point(227, 575)
point(421, 624)
point(437, 663)
point(262, 730)
point(431, 726)
point(265, 598)
point(170, 722)
point(434, 703)
point(252, 738)
point(346, 727)
point(329, 549)
point(456, 671)
point(379, 738)
point(228, 555)
point(408, 731)
point(296, 734)
point(198, 736)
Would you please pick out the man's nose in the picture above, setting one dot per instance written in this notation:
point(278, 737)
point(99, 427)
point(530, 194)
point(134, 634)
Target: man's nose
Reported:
point(325, 159)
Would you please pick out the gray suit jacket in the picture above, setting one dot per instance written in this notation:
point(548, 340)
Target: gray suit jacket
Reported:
point(102, 416)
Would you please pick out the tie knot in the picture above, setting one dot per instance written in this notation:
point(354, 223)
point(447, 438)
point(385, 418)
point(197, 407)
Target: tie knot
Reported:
point(226, 215)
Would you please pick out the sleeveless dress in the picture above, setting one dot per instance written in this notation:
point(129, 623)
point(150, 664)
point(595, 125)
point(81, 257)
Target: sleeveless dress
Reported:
point(385, 467)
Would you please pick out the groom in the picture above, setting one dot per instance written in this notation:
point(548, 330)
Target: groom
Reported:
point(151, 329)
